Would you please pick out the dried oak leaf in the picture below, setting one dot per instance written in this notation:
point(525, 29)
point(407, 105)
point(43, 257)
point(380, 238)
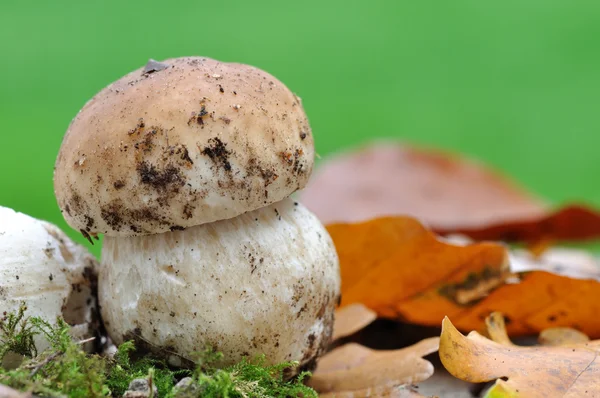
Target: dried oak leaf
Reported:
point(443, 190)
point(356, 371)
point(7, 392)
point(496, 329)
point(565, 371)
point(398, 268)
point(351, 319)
point(538, 301)
point(571, 223)
point(353, 370)
point(561, 336)
point(571, 262)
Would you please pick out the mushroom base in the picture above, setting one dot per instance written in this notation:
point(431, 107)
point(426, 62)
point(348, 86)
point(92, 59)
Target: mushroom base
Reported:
point(266, 282)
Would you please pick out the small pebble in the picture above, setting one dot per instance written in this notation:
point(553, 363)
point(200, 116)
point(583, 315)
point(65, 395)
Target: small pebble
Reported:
point(139, 388)
point(186, 388)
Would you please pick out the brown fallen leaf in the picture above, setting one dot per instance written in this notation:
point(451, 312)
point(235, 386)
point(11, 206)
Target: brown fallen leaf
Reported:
point(566, 337)
point(540, 300)
point(565, 261)
point(398, 392)
point(398, 268)
point(571, 223)
point(358, 371)
point(571, 262)
point(441, 189)
point(351, 319)
point(450, 193)
point(7, 392)
point(565, 371)
point(496, 329)
point(562, 336)
point(353, 370)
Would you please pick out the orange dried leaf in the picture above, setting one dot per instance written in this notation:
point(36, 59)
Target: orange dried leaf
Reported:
point(531, 371)
point(351, 319)
point(571, 223)
point(396, 266)
point(496, 331)
point(356, 371)
point(540, 300)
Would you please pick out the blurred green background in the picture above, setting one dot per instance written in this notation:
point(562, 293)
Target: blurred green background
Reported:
point(515, 83)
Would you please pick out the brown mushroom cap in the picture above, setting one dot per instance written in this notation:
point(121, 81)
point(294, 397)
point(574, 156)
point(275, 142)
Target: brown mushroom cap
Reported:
point(181, 143)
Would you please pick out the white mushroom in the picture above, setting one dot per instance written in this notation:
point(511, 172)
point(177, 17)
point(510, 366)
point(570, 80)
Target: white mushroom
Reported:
point(42, 267)
point(265, 282)
point(185, 166)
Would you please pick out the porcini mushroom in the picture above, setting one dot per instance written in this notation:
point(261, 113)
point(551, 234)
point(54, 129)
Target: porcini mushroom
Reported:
point(41, 267)
point(186, 166)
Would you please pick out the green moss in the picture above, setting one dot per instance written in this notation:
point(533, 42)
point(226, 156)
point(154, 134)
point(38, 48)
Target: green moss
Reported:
point(252, 378)
point(16, 334)
point(66, 370)
point(123, 370)
point(248, 378)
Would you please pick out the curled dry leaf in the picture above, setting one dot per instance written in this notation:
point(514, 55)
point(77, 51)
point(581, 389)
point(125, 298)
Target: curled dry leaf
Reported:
point(562, 336)
point(443, 190)
point(496, 329)
point(574, 263)
point(351, 319)
point(571, 223)
point(398, 268)
point(353, 371)
point(565, 371)
point(356, 371)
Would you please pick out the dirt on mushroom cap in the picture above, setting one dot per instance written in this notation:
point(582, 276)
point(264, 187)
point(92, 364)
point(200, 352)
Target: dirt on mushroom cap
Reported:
point(169, 148)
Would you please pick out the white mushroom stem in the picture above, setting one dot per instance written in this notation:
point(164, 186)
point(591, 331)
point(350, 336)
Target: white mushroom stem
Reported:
point(265, 282)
